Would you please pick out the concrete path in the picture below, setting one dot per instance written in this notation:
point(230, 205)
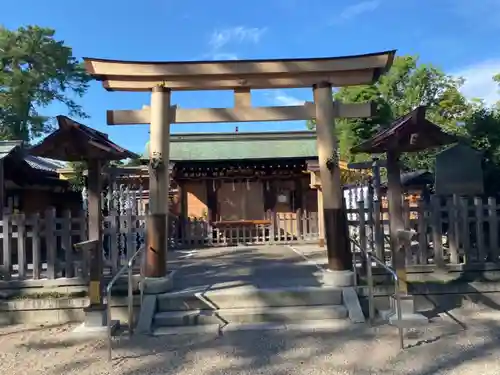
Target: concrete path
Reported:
point(258, 266)
point(442, 349)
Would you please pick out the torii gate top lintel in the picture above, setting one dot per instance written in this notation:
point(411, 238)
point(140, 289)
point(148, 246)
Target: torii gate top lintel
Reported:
point(121, 75)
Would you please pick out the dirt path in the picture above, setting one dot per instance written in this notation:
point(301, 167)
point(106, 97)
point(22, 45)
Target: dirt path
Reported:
point(440, 350)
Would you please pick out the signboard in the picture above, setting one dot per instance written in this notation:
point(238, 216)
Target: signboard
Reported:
point(459, 171)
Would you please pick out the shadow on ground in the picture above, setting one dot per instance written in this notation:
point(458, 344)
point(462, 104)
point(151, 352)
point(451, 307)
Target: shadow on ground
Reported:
point(356, 349)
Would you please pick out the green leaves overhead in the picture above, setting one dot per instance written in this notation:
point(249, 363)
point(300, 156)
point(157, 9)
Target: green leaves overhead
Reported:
point(36, 70)
point(407, 85)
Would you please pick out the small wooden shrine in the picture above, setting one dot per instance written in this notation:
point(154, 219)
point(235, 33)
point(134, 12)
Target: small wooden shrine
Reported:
point(409, 133)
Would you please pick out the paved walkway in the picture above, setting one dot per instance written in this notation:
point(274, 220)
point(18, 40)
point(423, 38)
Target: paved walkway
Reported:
point(259, 266)
point(443, 349)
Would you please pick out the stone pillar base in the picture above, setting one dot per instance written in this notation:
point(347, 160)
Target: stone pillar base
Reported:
point(409, 317)
point(338, 278)
point(158, 285)
point(95, 316)
point(96, 322)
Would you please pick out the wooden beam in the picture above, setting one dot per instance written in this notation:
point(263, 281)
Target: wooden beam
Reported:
point(306, 111)
point(104, 67)
point(229, 82)
point(2, 187)
point(368, 164)
point(86, 245)
point(242, 98)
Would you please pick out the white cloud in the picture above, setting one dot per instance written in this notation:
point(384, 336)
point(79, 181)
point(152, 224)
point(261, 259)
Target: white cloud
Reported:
point(281, 98)
point(239, 34)
point(356, 10)
point(479, 80)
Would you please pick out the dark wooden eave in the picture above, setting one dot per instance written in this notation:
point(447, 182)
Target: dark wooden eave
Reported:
point(409, 133)
point(77, 142)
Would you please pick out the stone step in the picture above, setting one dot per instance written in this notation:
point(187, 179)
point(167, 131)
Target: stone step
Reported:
point(249, 315)
point(249, 297)
point(408, 319)
point(325, 325)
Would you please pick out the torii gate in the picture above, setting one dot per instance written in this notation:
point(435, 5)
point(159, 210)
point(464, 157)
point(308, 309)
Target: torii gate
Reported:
point(161, 78)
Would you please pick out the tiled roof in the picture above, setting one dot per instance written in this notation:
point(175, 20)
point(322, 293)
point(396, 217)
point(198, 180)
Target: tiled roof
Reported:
point(8, 147)
point(44, 164)
point(75, 142)
point(409, 133)
point(241, 146)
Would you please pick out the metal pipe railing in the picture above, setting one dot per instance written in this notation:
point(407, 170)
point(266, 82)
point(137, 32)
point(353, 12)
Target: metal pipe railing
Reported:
point(130, 302)
point(369, 259)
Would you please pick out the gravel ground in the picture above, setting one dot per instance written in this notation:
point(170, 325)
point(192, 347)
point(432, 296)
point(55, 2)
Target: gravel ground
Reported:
point(440, 349)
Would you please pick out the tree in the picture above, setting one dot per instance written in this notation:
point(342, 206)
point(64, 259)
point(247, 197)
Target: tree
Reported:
point(134, 162)
point(35, 71)
point(77, 181)
point(406, 86)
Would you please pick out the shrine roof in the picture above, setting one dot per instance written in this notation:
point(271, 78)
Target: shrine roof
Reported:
point(409, 133)
point(241, 146)
point(76, 142)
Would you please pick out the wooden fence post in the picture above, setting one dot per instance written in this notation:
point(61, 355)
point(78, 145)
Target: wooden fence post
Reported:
point(464, 205)
point(36, 246)
point(298, 222)
point(452, 233)
point(66, 243)
point(130, 224)
point(493, 223)
point(437, 230)
point(407, 226)
point(7, 249)
point(83, 236)
point(362, 236)
point(423, 245)
point(50, 241)
point(114, 251)
point(378, 228)
point(479, 208)
point(21, 245)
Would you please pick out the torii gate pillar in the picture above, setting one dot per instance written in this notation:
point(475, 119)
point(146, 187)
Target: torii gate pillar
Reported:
point(334, 214)
point(159, 182)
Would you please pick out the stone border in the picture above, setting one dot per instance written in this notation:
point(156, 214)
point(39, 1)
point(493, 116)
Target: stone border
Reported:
point(57, 310)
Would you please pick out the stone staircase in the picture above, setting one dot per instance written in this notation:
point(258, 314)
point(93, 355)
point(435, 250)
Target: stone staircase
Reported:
point(243, 306)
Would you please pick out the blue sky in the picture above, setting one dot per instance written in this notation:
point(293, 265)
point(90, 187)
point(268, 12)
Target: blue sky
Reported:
point(461, 36)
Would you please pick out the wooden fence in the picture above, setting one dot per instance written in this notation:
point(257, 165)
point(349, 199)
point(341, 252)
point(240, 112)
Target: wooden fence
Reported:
point(450, 230)
point(453, 230)
point(42, 246)
point(277, 228)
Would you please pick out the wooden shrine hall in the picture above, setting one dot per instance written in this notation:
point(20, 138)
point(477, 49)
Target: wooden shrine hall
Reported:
point(245, 179)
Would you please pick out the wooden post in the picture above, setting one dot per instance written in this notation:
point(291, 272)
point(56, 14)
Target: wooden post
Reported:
point(159, 183)
point(335, 220)
point(321, 221)
point(377, 225)
point(2, 188)
point(94, 182)
point(396, 223)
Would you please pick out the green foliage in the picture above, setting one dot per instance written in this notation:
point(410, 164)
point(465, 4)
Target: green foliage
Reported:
point(134, 162)
point(406, 86)
point(36, 70)
point(77, 181)
point(483, 133)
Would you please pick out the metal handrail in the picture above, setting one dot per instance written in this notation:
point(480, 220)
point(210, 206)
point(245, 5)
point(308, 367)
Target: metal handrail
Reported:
point(130, 302)
point(369, 257)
